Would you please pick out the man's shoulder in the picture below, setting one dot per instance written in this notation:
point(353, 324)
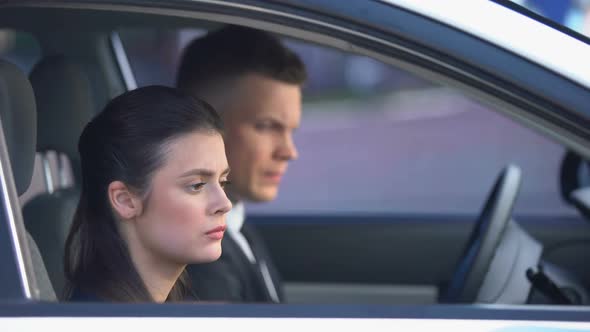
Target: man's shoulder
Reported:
point(221, 280)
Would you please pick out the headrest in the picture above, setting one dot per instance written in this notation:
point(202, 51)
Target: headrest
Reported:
point(19, 121)
point(64, 104)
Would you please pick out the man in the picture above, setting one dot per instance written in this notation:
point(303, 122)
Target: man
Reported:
point(254, 82)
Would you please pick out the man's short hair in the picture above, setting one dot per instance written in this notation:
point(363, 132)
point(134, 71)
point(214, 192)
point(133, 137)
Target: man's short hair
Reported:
point(233, 51)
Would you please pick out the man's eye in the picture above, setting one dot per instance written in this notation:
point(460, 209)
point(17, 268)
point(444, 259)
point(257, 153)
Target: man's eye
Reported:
point(263, 126)
point(225, 183)
point(196, 187)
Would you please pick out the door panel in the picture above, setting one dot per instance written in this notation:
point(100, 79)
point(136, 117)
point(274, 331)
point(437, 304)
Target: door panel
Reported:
point(327, 293)
point(393, 259)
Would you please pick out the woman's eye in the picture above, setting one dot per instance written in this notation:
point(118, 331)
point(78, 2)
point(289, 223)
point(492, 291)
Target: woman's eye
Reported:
point(225, 183)
point(196, 187)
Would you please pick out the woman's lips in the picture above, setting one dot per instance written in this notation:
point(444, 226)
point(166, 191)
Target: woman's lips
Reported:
point(216, 233)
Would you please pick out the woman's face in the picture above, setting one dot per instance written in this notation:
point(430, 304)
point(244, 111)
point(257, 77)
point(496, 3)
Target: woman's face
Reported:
point(183, 219)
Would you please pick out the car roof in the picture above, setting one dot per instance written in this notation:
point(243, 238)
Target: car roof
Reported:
point(512, 31)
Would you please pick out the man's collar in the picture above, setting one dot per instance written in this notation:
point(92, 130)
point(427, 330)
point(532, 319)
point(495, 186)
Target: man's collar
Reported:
point(235, 217)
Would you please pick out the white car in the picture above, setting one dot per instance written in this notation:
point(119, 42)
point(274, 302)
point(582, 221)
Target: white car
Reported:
point(443, 181)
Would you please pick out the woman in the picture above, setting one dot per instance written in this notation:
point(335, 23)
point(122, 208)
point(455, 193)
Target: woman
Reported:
point(152, 201)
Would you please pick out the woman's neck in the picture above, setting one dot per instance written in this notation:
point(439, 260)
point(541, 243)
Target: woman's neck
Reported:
point(158, 274)
point(159, 282)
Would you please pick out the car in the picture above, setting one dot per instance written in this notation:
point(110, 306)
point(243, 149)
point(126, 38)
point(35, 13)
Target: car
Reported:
point(443, 174)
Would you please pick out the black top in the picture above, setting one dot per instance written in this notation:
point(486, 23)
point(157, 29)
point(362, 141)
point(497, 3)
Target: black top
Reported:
point(79, 295)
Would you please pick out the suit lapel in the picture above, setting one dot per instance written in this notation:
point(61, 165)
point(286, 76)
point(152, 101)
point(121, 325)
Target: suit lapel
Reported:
point(233, 249)
point(250, 273)
point(261, 254)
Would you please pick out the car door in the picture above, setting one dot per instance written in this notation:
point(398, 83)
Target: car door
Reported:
point(404, 254)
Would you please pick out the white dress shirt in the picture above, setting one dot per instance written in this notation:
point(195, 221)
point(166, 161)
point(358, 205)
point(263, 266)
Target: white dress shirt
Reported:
point(234, 221)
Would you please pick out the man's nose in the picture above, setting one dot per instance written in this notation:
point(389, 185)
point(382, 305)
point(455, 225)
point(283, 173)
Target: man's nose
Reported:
point(287, 150)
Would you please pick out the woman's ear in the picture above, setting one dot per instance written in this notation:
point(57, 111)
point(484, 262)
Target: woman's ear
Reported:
point(124, 202)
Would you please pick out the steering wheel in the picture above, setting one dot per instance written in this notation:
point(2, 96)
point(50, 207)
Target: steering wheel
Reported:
point(476, 259)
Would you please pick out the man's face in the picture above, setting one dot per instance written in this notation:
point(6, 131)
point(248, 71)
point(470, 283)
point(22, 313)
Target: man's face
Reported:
point(260, 117)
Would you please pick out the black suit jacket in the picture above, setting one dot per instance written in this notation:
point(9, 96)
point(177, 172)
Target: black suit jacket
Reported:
point(232, 278)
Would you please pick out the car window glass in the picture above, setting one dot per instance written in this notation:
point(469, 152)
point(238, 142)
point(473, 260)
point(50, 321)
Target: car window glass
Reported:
point(23, 50)
point(20, 48)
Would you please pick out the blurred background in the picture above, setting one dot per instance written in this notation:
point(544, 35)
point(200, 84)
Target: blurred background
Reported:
point(573, 14)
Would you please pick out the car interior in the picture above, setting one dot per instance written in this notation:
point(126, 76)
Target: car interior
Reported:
point(410, 189)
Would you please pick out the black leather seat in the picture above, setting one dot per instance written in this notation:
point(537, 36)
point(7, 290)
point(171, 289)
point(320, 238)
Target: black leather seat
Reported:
point(19, 121)
point(64, 106)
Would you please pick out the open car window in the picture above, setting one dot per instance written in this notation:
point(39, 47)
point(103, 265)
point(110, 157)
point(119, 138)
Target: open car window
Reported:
point(388, 159)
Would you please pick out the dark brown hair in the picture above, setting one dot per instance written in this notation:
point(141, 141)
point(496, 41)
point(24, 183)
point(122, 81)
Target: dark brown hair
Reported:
point(233, 51)
point(125, 142)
